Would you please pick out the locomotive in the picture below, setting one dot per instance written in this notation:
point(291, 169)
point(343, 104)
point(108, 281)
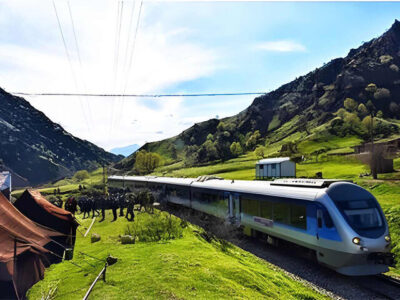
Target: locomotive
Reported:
point(341, 222)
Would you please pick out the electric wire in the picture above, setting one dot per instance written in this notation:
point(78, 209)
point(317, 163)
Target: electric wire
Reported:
point(69, 61)
point(127, 75)
point(79, 60)
point(140, 95)
point(125, 64)
point(116, 60)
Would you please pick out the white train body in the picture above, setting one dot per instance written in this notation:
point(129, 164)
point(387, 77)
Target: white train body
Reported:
point(342, 222)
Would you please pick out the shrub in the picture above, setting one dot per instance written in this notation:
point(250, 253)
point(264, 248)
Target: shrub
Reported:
point(81, 175)
point(371, 88)
point(384, 59)
point(156, 227)
point(236, 149)
point(382, 93)
point(394, 68)
point(350, 104)
point(259, 152)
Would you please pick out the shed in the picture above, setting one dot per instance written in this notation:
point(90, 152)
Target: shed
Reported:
point(275, 168)
point(5, 183)
point(33, 205)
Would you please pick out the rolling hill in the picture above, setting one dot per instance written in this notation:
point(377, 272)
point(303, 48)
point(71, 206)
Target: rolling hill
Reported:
point(369, 75)
point(35, 148)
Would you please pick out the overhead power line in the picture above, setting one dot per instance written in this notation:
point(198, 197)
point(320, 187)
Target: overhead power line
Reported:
point(138, 95)
point(67, 53)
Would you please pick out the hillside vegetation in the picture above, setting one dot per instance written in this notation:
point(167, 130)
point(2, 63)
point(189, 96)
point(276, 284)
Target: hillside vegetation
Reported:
point(37, 150)
point(353, 97)
point(184, 268)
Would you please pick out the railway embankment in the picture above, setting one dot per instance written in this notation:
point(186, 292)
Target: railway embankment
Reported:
point(297, 263)
point(187, 266)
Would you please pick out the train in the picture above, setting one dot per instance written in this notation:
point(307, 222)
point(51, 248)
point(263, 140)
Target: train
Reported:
point(341, 223)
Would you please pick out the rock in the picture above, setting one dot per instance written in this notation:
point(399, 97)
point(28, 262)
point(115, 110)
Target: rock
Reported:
point(95, 238)
point(127, 239)
point(111, 260)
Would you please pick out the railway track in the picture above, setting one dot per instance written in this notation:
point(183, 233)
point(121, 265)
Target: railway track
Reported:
point(302, 268)
point(382, 286)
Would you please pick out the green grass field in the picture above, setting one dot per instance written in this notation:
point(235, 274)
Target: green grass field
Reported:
point(183, 268)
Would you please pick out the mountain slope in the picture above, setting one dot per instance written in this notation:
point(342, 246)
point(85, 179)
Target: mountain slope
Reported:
point(34, 147)
point(303, 104)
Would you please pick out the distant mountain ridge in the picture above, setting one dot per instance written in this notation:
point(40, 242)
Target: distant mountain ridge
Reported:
point(125, 151)
point(306, 102)
point(37, 149)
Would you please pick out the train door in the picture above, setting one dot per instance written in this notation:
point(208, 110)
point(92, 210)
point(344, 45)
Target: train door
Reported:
point(231, 205)
point(236, 202)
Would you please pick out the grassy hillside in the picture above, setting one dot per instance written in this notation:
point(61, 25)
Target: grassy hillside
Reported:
point(183, 268)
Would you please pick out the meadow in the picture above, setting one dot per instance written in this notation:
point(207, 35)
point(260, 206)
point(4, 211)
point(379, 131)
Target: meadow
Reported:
point(182, 268)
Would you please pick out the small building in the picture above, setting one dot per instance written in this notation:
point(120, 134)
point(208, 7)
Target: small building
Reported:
point(275, 168)
point(5, 184)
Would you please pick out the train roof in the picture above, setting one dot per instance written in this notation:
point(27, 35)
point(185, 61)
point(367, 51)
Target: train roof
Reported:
point(306, 189)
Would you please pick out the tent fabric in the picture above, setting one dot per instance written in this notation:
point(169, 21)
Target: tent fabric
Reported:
point(29, 240)
point(33, 205)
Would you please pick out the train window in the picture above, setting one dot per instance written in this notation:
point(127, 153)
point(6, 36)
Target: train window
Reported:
point(298, 216)
point(250, 207)
point(266, 209)
point(261, 167)
point(328, 220)
point(282, 212)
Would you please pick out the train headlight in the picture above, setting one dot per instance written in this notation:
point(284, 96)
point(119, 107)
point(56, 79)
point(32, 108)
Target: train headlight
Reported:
point(388, 239)
point(357, 240)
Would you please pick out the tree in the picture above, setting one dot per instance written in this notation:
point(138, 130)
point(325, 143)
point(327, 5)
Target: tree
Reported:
point(371, 88)
point(317, 153)
point(81, 175)
point(362, 109)
point(382, 94)
point(210, 137)
point(236, 149)
point(394, 108)
point(259, 152)
point(350, 104)
point(146, 162)
point(352, 119)
point(341, 113)
point(253, 140)
point(379, 114)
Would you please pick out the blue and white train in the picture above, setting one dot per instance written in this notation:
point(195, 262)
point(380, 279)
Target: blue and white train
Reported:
point(340, 221)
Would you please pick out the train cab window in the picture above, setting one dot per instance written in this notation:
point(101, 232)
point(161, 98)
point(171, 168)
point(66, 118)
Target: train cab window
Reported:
point(282, 212)
point(328, 220)
point(298, 215)
point(266, 209)
point(261, 167)
point(250, 207)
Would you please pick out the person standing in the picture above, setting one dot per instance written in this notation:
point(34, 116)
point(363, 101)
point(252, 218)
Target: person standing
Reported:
point(130, 214)
point(121, 202)
point(114, 207)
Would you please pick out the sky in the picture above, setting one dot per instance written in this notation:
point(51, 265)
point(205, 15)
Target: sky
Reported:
point(162, 47)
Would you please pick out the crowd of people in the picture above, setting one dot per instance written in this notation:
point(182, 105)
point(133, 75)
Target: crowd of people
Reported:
point(97, 203)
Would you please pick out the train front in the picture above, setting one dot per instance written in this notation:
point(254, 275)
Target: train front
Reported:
point(364, 248)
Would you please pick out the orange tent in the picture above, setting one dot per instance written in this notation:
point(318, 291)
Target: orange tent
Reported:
point(33, 205)
point(22, 251)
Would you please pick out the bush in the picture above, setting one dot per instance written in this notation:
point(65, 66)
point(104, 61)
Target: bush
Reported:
point(81, 175)
point(236, 149)
point(382, 94)
point(156, 227)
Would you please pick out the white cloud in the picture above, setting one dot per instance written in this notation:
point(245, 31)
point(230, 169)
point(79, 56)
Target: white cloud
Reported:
point(163, 57)
point(280, 46)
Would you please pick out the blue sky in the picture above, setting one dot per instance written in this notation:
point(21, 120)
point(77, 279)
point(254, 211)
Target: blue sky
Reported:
point(181, 47)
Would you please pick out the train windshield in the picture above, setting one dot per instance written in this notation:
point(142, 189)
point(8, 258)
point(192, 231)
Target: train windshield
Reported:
point(359, 208)
point(362, 214)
